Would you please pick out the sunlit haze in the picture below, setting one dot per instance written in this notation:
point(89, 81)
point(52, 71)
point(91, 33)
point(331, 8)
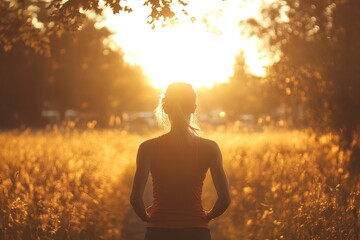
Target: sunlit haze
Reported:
point(202, 52)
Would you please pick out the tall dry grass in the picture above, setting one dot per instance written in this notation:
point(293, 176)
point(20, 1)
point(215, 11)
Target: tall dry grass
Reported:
point(288, 185)
point(65, 184)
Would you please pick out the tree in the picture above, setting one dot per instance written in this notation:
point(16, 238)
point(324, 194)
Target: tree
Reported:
point(243, 94)
point(33, 22)
point(320, 46)
point(88, 76)
point(21, 87)
point(81, 74)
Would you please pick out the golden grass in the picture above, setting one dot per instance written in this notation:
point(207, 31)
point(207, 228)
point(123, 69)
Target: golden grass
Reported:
point(65, 184)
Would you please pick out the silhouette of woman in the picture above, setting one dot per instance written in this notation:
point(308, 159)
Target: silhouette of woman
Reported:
point(178, 162)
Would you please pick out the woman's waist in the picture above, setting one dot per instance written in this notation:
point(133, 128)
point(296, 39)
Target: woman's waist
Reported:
point(196, 211)
point(178, 218)
point(176, 209)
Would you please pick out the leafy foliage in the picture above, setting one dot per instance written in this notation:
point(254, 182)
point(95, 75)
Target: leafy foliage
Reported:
point(319, 42)
point(81, 74)
point(33, 22)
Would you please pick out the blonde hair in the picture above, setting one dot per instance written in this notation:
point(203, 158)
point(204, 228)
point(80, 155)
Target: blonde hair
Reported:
point(176, 109)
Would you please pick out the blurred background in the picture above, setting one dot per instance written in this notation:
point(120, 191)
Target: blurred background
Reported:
point(278, 85)
point(253, 63)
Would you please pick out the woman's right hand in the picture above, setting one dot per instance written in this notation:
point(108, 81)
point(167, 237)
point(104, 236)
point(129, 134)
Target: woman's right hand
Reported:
point(148, 211)
point(207, 217)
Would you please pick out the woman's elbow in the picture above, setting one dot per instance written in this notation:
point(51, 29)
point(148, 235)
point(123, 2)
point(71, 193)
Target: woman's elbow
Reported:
point(134, 201)
point(226, 201)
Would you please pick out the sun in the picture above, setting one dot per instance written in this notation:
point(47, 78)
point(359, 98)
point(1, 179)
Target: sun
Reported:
point(201, 52)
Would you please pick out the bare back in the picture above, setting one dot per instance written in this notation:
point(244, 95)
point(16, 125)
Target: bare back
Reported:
point(178, 173)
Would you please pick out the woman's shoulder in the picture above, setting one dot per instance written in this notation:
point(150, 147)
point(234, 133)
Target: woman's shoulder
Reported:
point(149, 142)
point(208, 148)
point(208, 143)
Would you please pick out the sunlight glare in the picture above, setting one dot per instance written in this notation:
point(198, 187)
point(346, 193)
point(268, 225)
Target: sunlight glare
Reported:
point(201, 52)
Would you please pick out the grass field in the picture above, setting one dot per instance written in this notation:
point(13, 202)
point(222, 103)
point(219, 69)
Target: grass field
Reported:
point(65, 184)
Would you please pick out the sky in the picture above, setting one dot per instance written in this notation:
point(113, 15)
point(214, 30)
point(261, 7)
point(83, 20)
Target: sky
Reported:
point(201, 49)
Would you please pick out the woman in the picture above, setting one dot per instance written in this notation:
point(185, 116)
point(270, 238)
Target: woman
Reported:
point(178, 162)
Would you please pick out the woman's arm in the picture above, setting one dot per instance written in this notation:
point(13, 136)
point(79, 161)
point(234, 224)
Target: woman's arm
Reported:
point(140, 179)
point(221, 184)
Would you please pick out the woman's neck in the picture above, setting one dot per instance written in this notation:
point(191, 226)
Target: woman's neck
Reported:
point(181, 135)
